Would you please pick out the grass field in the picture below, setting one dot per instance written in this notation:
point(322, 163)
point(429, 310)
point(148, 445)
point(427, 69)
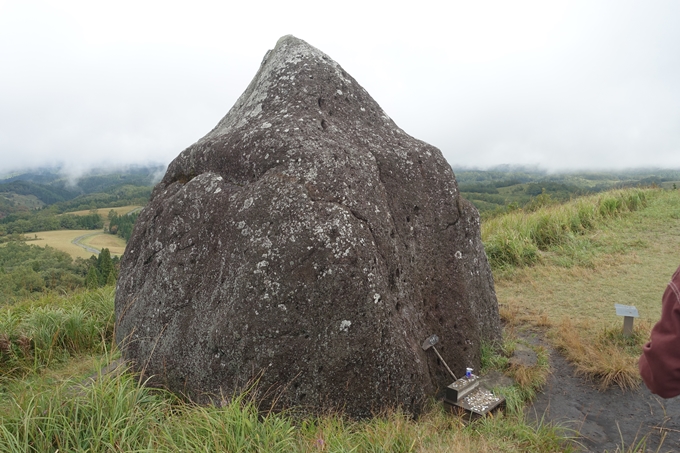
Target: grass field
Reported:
point(567, 289)
point(627, 260)
point(62, 240)
point(115, 244)
point(51, 347)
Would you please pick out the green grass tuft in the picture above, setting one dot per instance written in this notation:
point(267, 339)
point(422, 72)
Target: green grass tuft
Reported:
point(37, 333)
point(518, 238)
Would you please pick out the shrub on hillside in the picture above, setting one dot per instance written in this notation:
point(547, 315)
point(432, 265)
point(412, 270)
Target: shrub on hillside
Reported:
point(26, 269)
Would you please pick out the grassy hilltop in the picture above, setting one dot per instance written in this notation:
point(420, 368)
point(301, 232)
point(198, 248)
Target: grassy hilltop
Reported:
point(559, 269)
point(506, 188)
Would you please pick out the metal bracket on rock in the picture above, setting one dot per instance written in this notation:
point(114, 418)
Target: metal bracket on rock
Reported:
point(429, 343)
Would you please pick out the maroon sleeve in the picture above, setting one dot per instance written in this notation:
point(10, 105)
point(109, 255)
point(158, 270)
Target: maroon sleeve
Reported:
point(660, 360)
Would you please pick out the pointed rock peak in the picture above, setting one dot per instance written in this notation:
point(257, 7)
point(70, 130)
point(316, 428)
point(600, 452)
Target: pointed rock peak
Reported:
point(299, 94)
point(289, 43)
point(296, 78)
point(310, 244)
point(291, 50)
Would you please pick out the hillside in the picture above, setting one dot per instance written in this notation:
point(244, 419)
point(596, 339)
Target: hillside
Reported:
point(96, 189)
point(558, 269)
point(506, 188)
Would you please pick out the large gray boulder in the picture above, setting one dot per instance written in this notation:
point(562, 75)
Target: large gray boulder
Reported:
point(311, 244)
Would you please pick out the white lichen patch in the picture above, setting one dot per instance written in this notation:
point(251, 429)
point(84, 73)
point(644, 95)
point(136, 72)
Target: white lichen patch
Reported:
point(311, 174)
point(256, 111)
point(261, 265)
point(326, 272)
point(458, 254)
point(344, 325)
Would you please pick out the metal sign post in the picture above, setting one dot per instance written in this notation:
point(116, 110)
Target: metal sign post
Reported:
point(629, 313)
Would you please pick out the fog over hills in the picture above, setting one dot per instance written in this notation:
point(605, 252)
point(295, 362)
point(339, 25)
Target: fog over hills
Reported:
point(558, 85)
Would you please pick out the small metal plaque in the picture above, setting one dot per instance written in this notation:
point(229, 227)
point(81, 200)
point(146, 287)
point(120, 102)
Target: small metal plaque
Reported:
point(626, 310)
point(430, 341)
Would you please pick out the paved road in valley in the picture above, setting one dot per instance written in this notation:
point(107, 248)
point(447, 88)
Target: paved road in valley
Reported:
point(76, 241)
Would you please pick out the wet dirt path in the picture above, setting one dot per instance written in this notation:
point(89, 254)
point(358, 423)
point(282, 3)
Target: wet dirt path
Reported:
point(608, 420)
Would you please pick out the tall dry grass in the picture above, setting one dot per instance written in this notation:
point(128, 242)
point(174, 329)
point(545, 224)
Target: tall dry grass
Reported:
point(605, 355)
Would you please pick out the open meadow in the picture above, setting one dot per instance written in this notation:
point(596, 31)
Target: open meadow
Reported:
point(115, 244)
point(573, 263)
point(558, 271)
point(64, 240)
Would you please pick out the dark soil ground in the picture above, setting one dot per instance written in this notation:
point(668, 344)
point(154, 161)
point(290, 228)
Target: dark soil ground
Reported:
point(611, 420)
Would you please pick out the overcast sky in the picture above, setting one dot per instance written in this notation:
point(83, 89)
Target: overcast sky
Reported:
point(555, 84)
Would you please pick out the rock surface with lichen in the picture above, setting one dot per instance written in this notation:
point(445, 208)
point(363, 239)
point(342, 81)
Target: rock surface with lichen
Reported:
point(310, 244)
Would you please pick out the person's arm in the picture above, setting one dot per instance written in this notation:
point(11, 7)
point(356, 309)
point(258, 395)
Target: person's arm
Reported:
point(660, 361)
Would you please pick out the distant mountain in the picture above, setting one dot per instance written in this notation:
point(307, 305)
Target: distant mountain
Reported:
point(39, 177)
point(97, 188)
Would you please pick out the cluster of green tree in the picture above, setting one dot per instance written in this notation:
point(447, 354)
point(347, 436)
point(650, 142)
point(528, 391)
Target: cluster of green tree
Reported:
point(494, 199)
point(103, 270)
point(26, 269)
point(6, 206)
point(121, 225)
point(523, 195)
point(44, 175)
point(48, 220)
point(105, 183)
point(558, 191)
point(500, 173)
point(478, 188)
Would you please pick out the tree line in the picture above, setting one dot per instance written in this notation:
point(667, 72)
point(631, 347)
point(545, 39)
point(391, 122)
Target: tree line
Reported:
point(103, 270)
point(47, 220)
point(121, 225)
